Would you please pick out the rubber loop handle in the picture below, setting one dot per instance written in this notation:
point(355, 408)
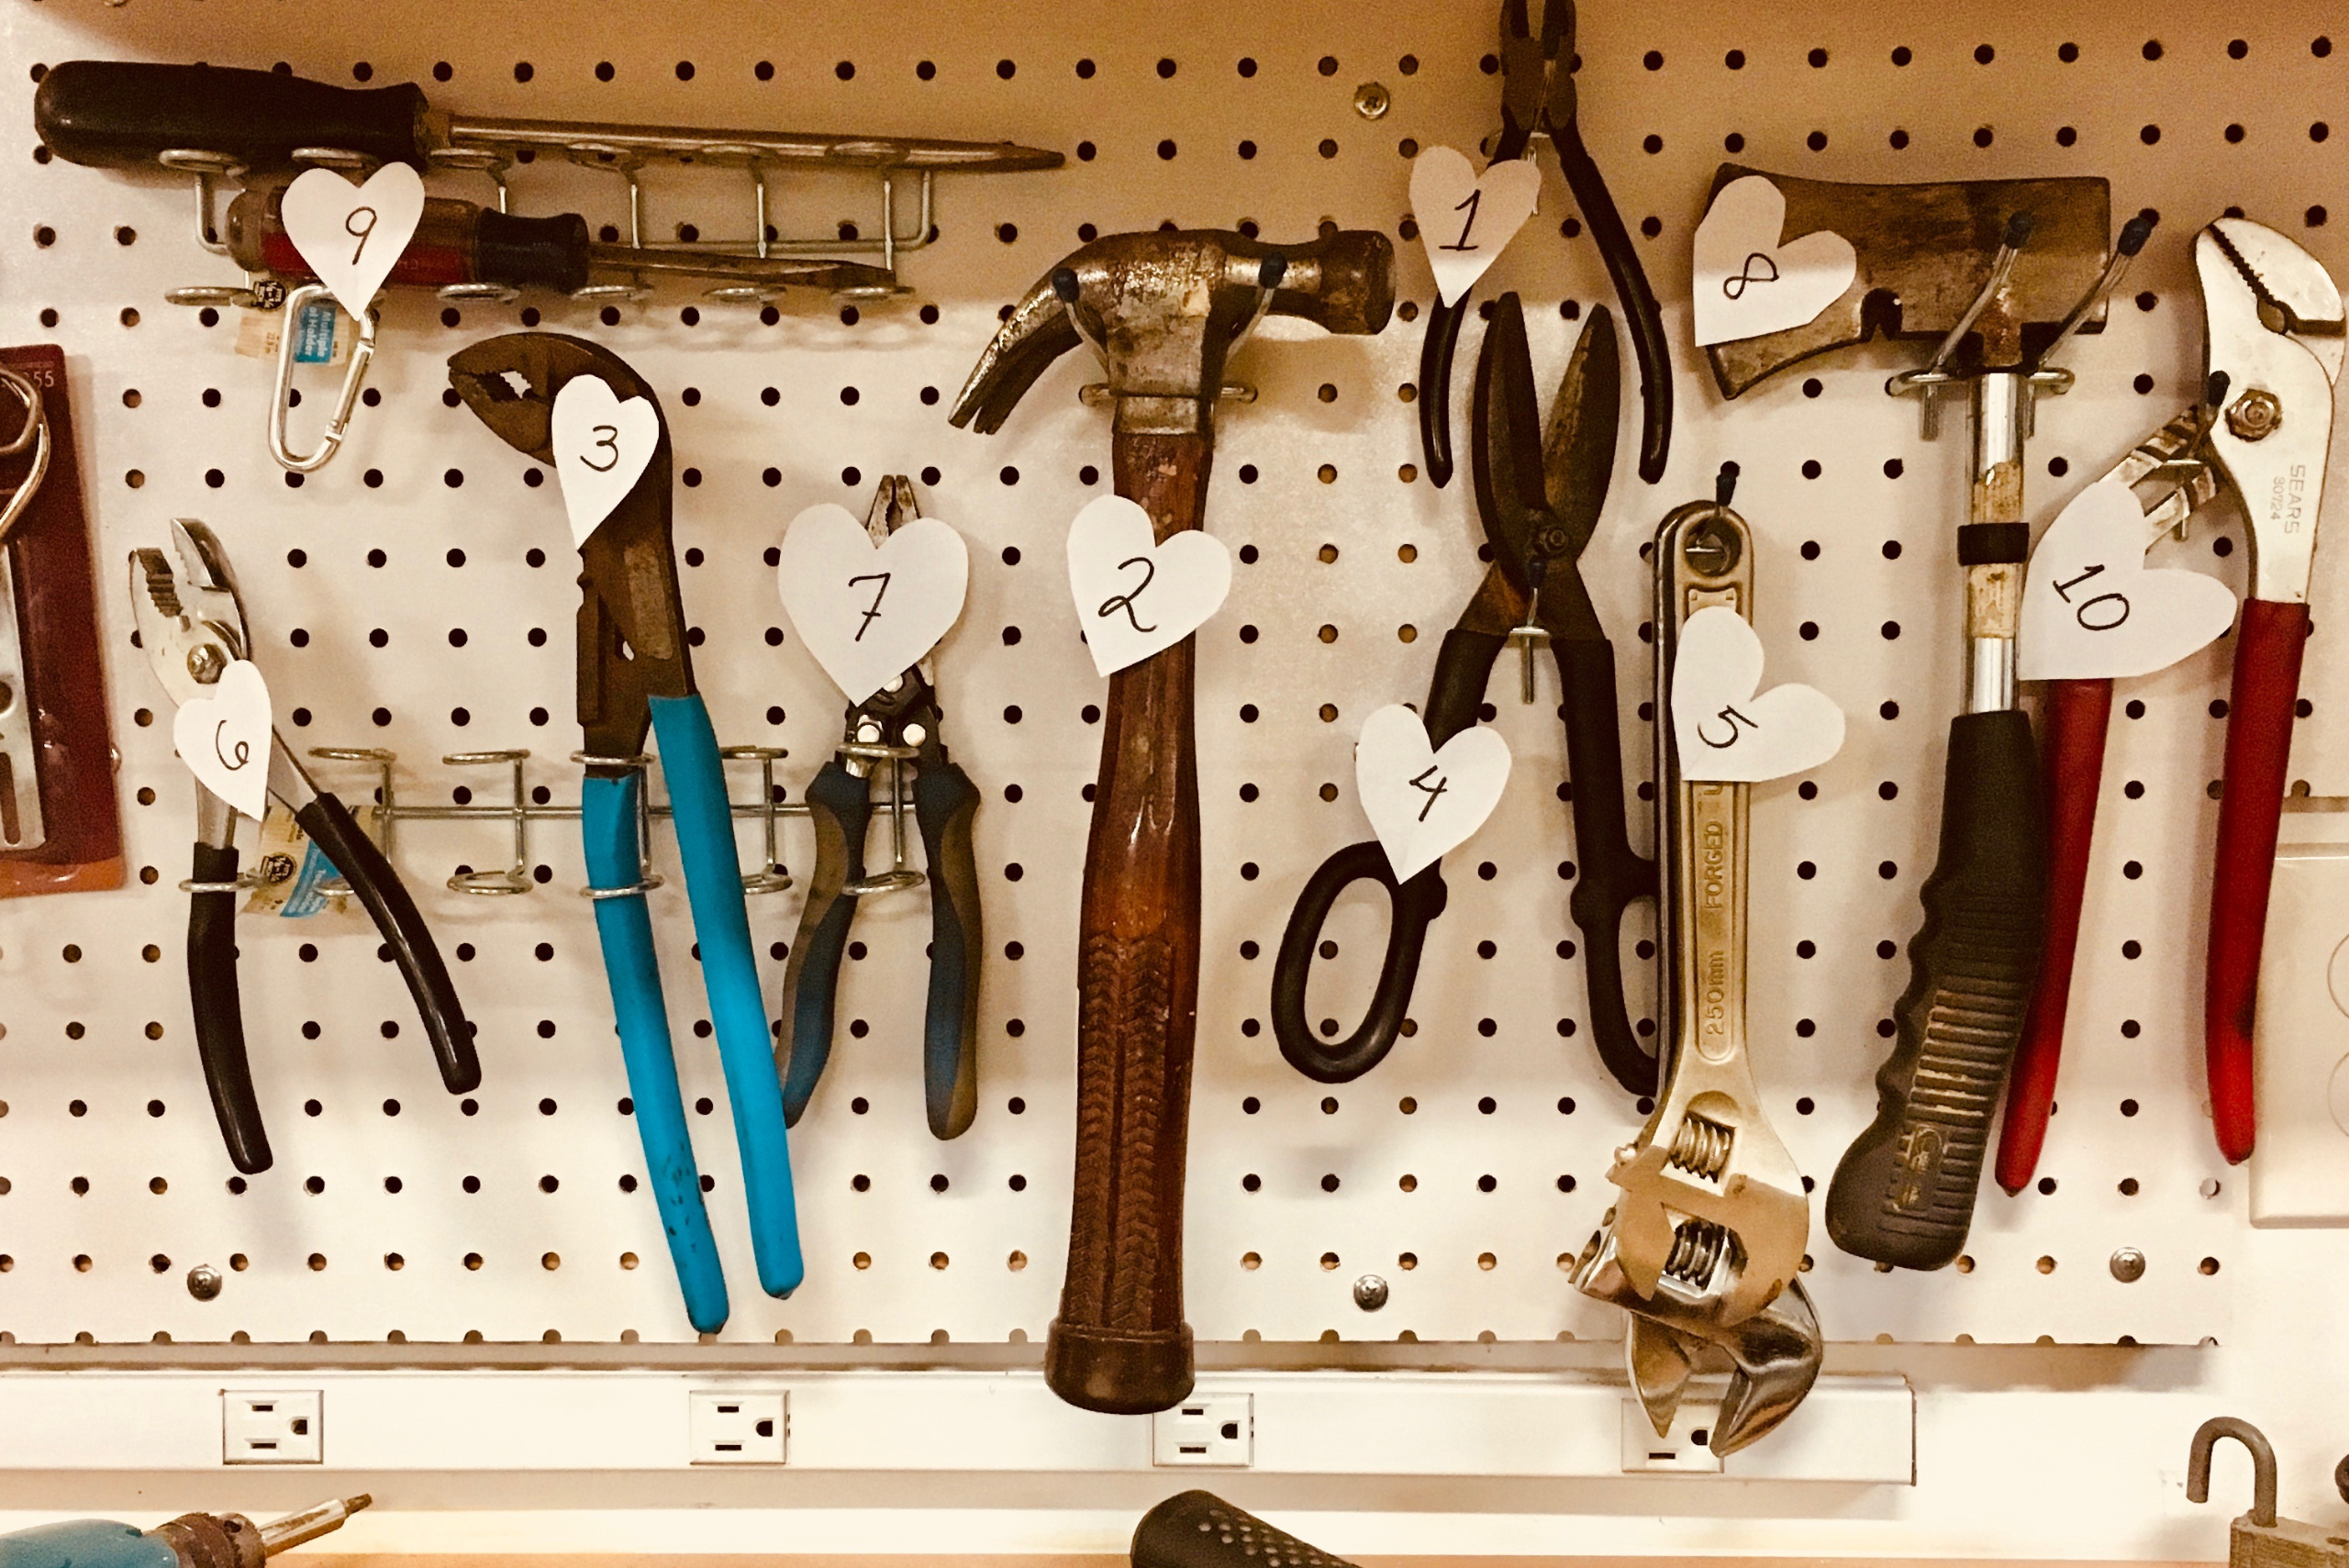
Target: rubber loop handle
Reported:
point(1631, 280)
point(840, 806)
point(1413, 907)
point(1436, 351)
point(219, 1012)
point(946, 803)
point(1611, 875)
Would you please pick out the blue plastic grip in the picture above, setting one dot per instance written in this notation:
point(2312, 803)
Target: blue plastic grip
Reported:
point(608, 831)
point(85, 1543)
point(705, 829)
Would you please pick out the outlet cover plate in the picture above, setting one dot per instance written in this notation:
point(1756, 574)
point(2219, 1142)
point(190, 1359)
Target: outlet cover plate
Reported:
point(272, 1426)
point(737, 1426)
point(1216, 1430)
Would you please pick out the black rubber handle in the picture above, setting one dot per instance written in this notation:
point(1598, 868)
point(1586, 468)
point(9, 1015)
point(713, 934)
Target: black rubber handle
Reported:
point(379, 888)
point(840, 806)
point(219, 1011)
point(121, 115)
point(1414, 906)
point(1610, 874)
point(945, 803)
point(1904, 1192)
point(1631, 280)
point(1436, 351)
point(1200, 1529)
point(549, 251)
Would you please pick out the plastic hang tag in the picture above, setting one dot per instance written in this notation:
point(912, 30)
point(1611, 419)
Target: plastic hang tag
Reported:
point(293, 879)
point(320, 338)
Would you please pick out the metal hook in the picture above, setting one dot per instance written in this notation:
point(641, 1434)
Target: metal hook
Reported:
point(363, 354)
point(2262, 1465)
point(207, 168)
point(772, 875)
point(899, 875)
point(516, 878)
point(1929, 382)
point(36, 435)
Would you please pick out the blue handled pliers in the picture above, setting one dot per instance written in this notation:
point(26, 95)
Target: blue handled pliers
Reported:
point(635, 673)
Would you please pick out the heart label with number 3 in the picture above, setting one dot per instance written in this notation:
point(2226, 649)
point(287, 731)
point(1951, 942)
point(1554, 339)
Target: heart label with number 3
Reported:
point(1747, 283)
point(869, 612)
point(1466, 220)
point(1422, 802)
point(1136, 597)
point(2093, 611)
point(1728, 732)
point(224, 737)
point(601, 446)
point(351, 235)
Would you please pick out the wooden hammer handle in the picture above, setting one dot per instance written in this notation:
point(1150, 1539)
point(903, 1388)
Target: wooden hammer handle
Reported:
point(1120, 1344)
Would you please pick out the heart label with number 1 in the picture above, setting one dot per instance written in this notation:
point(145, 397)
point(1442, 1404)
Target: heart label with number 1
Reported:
point(351, 235)
point(1749, 284)
point(1466, 220)
point(1136, 597)
point(1724, 729)
point(601, 446)
point(2093, 611)
point(870, 612)
point(1422, 802)
point(224, 737)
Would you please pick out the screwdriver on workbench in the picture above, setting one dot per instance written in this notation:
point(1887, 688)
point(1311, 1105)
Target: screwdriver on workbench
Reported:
point(191, 1540)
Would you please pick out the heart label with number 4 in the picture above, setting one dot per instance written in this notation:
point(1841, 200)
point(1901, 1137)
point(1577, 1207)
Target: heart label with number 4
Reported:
point(1467, 219)
point(869, 612)
point(1747, 283)
point(224, 737)
point(351, 235)
point(2091, 607)
point(1728, 732)
point(601, 446)
point(1134, 596)
point(1423, 802)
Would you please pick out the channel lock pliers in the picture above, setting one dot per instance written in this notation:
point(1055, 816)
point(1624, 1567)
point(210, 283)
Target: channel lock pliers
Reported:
point(635, 672)
point(1540, 501)
point(191, 623)
point(898, 724)
point(1538, 99)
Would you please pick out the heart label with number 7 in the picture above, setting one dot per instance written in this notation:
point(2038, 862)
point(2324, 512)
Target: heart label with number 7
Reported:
point(869, 612)
point(1466, 220)
point(1135, 596)
point(601, 446)
point(351, 235)
point(1423, 802)
point(2093, 611)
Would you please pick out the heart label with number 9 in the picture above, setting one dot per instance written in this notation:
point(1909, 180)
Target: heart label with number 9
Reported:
point(1422, 802)
point(1136, 597)
point(1723, 727)
point(2093, 611)
point(868, 612)
point(224, 737)
point(601, 446)
point(351, 235)
point(1466, 220)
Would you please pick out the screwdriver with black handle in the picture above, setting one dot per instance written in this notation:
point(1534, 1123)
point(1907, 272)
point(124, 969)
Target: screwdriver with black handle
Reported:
point(191, 1540)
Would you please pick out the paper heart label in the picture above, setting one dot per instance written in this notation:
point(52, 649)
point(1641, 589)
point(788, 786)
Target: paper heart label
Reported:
point(351, 235)
point(601, 446)
point(1136, 597)
point(868, 612)
point(2092, 608)
point(224, 737)
point(1466, 220)
point(1423, 802)
point(1748, 285)
point(1723, 729)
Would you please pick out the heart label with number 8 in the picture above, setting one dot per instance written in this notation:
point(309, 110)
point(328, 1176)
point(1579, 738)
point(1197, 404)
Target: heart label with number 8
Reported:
point(351, 235)
point(1422, 802)
point(601, 446)
point(1134, 596)
point(2093, 611)
point(1466, 220)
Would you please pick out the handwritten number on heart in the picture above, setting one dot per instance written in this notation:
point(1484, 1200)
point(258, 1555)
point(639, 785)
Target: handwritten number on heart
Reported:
point(359, 234)
point(2080, 611)
point(879, 594)
point(607, 438)
point(1734, 718)
point(1434, 793)
point(1470, 205)
point(235, 758)
point(1125, 602)
point(1734, 288)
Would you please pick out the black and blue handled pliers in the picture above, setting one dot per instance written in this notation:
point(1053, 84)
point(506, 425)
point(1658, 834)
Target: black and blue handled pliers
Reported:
point(897, 725)
point(635, 673)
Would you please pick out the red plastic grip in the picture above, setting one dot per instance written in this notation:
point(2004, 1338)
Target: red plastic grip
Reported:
point(2269, 641)
point(2072, 747)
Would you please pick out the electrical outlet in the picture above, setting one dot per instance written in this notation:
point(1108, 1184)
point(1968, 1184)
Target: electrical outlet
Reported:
point(737, 1428)
point(1217, 1430)
point(1680, 1452)
point(272, 1426)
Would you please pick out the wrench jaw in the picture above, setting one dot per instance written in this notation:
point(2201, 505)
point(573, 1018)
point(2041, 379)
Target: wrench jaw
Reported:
point(1720, 1196)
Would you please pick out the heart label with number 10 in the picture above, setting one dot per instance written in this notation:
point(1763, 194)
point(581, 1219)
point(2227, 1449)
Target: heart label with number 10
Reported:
point(1134, 596)
point(2093, 611)
point(601, 446)
point(351, 235)
point(1422, 802)
point(1466, 220)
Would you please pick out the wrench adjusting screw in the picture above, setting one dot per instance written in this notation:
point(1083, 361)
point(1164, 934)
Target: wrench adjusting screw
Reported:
point(2255, 416)
point(204, 1282)
point(1372, 100)
point(2128, 1265)
point(1370, 1293)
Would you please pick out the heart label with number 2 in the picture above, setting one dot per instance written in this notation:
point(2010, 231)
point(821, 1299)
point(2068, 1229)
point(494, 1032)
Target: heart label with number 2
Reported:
point(601, 446)
point(1747, 283)
point(2091, 607)
point(1423, 802)
point(351, 235)
point(224, 737)
point(1726, 731)
point(1466, 220)
point(869, 612)
point(1136, 597)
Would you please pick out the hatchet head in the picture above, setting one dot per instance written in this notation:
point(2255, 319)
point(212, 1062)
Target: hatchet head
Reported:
point(1924, 252)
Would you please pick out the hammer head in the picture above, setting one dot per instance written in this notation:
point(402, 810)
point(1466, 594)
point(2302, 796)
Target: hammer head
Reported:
point(1164, 307)
point(1924, 252)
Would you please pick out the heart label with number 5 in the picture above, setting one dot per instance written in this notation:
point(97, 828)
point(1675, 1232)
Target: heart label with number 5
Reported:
point(1724, 729)
point(1747, 283)
point(869, 612)
point(1136, 597)
point(224, 737)
point(351, 235)
point(601, 446)
point(2091, 607)
point(1466, 220)
point(1422, 802)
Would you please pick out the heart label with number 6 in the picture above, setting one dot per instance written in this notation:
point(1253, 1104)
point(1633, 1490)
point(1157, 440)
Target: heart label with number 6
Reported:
point(224, 737)
point(1136, 597)
point(2091, 607)
point(351, 235)
point(1723, 729)
point(601, 446)
point(1466, 220)
point(869, 612)
point(1747, 283)
point(1422, 802)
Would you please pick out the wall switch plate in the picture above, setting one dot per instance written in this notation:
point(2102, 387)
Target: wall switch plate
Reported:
point(745, 1426)
point(274, 1425)
point(1680, 1452)
point(1216, 1429)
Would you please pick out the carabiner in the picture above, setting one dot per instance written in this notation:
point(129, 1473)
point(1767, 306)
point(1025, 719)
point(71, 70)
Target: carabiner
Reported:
point(36, 435)
point(280, 399)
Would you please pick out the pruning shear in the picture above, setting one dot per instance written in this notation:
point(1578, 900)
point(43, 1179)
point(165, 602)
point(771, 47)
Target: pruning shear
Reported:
point(1538, 99)
point(1540, 501)
point(191, 623)
point(898, 723)
point(635, 673)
